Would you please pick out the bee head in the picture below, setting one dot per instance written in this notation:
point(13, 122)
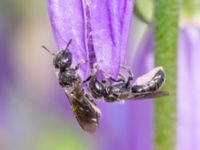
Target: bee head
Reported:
point(63, 59)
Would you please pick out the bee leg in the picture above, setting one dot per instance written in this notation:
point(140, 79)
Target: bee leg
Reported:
point(79, 64)
point(123, 78)
point(92, 73)
point(95, 68)
point(87, 79)
point(130, 77)
point(109, 76)
point(116, 80)
point(128, 70)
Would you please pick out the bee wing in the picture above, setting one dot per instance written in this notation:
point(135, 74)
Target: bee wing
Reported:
point(85, 111)
point(145, 95)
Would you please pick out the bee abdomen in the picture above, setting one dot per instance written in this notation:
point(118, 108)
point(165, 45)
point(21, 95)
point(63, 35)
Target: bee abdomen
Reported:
point(152, 85)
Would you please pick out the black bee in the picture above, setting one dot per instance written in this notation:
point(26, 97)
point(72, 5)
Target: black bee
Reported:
point(122, 88)
point(83, 107)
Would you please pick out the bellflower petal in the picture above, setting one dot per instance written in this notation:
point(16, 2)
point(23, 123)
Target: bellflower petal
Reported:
point(99, 29)
point(188, 89)
point(141, 112)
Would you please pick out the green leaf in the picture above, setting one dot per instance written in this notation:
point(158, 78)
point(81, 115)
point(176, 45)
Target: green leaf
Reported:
point(165, 44)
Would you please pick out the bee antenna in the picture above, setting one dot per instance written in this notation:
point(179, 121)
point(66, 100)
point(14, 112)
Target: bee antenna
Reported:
point(68, 44)
point(45, 48)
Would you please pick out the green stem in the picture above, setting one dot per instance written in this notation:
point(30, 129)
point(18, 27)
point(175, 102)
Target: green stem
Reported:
point(165, 42)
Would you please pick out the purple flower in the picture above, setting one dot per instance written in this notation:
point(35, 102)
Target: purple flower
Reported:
point(188, 112)
point(99, 29)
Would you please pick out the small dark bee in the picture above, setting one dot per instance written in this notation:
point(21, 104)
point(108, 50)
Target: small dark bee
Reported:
point(63, 61)
point(83, 107)
point(122, 88)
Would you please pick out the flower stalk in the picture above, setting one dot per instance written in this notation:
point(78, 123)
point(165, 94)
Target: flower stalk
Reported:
point(165, 45)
